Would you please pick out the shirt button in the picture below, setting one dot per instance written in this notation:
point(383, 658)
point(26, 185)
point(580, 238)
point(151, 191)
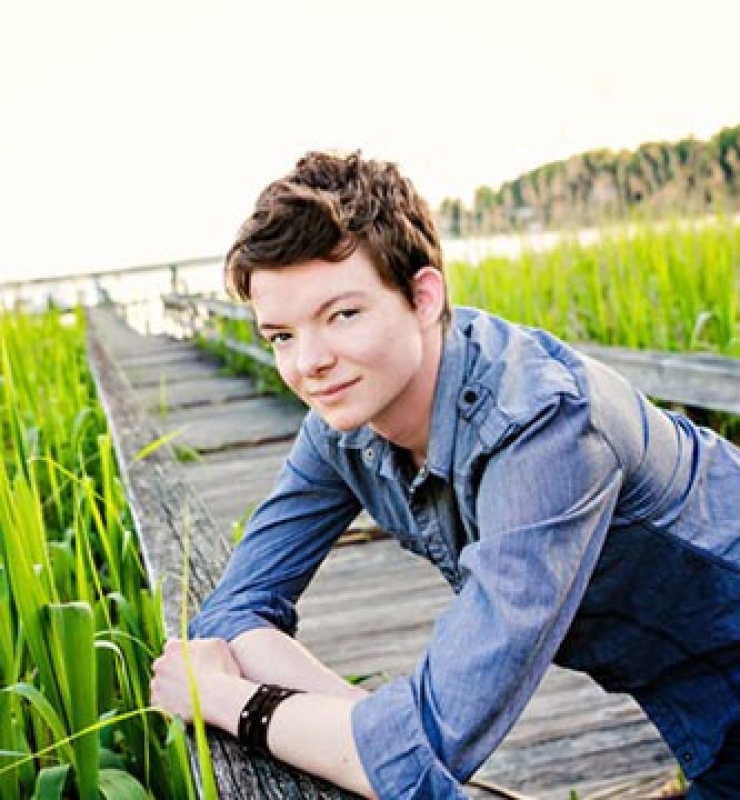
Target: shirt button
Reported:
point(368, 455)
point(469, 396)
point(687, 758)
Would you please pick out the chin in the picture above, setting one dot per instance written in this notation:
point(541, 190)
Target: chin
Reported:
point(342, 423)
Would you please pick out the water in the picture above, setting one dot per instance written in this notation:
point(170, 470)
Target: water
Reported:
point(139, 289)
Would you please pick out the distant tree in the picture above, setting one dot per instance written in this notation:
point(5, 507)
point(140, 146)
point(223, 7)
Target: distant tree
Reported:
point(664, 177)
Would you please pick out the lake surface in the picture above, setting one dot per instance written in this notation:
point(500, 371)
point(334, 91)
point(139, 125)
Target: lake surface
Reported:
point(140, 288)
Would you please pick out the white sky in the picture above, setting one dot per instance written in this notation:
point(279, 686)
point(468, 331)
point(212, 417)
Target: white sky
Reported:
point(139, 131)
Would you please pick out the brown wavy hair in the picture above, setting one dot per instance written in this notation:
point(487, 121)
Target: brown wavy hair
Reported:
point(327, 207)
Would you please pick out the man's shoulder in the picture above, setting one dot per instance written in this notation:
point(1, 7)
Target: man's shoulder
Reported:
point(514, 372)
point(502, 351)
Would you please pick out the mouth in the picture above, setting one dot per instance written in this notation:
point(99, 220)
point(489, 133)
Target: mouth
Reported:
point(333, 392)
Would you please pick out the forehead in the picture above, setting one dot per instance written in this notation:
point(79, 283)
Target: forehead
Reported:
point(308, 286)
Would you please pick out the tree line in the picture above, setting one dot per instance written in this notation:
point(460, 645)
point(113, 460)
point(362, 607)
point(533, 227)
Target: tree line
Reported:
point(657, 179)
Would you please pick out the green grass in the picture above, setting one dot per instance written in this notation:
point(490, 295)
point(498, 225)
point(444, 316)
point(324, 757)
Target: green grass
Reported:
point(79, 626)
point(674, 288)
point(671, 288)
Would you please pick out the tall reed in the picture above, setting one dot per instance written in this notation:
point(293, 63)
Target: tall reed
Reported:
point(671, 288)
point(78, 624)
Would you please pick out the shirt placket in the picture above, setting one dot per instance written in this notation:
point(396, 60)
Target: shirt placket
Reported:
point(425, 504)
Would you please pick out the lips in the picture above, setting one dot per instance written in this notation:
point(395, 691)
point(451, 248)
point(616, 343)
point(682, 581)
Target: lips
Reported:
point(333, 391)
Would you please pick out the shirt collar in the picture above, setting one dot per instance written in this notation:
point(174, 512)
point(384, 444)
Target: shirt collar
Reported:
point(443, 427)
point(378, 453)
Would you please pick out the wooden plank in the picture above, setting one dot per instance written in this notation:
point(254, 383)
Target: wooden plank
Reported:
point(693, 379)
point(172, 521)
point(193, 304)
point(241, 423)
point(141, 374)
point(185, 392)
point(250, 470)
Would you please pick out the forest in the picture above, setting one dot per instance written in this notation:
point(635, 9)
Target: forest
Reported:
point(657, 180)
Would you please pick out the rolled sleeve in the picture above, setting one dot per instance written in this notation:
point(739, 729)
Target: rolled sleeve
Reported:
point(232, 614)
point(393, 748)
point(286, 540)
point(544, 507)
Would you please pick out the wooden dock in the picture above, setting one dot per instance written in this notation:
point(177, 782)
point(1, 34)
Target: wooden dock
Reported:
point(572, 737)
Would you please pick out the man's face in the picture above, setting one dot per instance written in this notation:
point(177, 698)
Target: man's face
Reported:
point(351, 347)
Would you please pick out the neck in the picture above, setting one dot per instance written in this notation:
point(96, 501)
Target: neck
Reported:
point(412, 423)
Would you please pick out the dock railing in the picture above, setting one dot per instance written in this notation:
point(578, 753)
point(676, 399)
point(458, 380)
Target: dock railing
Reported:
point(699, 380)
point(134, 291)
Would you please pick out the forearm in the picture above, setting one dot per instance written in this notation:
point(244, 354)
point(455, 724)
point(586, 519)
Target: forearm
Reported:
point(310, 731)
point(266, 655)
point(314, 733)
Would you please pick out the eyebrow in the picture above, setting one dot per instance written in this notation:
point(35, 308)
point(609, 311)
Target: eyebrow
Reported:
point(339, 298)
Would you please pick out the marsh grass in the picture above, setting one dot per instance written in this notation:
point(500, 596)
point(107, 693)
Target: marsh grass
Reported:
point(222, 329)
point(670, 288)
point(79, 626)
point(674, 288)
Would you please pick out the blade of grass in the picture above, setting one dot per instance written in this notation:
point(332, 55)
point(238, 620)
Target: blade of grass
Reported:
point(71, 637)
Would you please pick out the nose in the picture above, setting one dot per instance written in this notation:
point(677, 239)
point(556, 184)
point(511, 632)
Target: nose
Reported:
point(313, 355)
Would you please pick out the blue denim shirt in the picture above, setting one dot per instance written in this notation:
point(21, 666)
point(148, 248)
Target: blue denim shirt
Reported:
point(575, 523)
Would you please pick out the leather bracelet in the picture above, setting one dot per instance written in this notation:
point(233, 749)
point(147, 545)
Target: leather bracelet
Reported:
point(254, 718)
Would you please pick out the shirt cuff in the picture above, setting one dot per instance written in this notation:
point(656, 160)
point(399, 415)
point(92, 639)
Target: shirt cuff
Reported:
point(225, 623)
point(397, 757)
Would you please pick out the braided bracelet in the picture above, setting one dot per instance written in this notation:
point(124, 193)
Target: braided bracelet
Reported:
point(255, 717)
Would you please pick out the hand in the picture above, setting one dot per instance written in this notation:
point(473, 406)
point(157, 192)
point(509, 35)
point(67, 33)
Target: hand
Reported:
point(210, 661)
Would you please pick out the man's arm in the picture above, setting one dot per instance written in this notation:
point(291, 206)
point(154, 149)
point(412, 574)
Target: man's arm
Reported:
point(311, 731)
point(286, 540)
point(266, 655)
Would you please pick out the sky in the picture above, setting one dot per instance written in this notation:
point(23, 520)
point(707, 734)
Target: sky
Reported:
point(141, 131)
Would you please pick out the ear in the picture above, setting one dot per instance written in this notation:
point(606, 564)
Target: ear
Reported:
point(430, 294)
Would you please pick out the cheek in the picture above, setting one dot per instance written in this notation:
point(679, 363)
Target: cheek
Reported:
point(400, 349)
point(286, 372)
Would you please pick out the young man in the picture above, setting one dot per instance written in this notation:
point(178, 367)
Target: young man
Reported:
point(574, 521)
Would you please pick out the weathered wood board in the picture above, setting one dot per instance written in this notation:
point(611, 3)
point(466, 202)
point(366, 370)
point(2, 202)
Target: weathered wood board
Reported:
point(693, 379)
point(172, 522)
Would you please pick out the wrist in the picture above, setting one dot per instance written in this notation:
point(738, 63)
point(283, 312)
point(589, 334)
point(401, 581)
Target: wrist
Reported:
point(223, 702)
point(255, 717)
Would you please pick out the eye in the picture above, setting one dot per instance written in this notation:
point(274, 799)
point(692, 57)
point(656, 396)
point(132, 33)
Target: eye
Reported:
point(277, 339)
point(346, 313)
